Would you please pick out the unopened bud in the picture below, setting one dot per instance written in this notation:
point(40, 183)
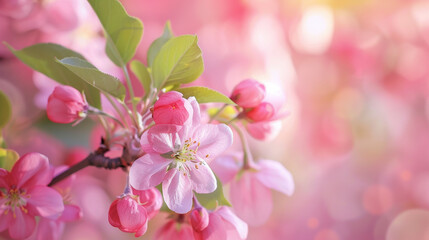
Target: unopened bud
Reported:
point(199, 219)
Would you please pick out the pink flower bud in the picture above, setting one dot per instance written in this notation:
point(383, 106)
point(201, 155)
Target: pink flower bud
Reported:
point(128, 215)
point(248, 93)
point(263, 112)
point(66, 105)
point(151, 199)
point(199, 219)
point(170, 109)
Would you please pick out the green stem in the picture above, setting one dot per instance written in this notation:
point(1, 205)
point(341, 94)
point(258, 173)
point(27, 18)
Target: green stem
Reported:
point(217, 113)
point(117, 110)
point(246, 152)
point(131, 90)
point(101, 113)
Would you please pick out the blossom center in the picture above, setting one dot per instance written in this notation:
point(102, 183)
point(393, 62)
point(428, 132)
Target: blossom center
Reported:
point(188, 152)
point(15, 198)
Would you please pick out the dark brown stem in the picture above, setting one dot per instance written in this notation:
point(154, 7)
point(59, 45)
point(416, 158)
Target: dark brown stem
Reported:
point(96, 159)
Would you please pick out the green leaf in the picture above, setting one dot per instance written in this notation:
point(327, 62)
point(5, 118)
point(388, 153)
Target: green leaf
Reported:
point(156, 46)
point(214, 199)
point(178, 61)
point(102, 81)
point(8, 158)
point(6, 110)
point(142, 73)
point(205, 95)
point(42, 58)
point(123, 32)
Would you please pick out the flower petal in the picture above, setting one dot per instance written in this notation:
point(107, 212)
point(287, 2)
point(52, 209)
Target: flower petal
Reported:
point(71, 213)
point(131, 215)
point(46, 202)
point(251, 200)
point(171, 230)
point(275, 176)
point(148, 171)
point(226, 167)
point(177, 191)
point(49, 229)
point(215, 230)
point(30, 170)
point(239, 225)
point(264, 131)
point(4, 175)
point(196, 114)
point(164, 137)
point(5, 219)
point(142, 230)
point(21, 226)
point(214, 139)
point(202, 177)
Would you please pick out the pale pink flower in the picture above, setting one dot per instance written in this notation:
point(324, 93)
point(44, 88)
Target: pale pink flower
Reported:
point(170, 108)
point(52, 229)
point(177, 157)
point(250, 190)
point(223, 224)
point(174, 230)
point(248, 93)
point(24, 195)
point(66, 104)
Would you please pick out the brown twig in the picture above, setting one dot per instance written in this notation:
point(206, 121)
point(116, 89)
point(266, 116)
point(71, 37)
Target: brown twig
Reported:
point(97, 159)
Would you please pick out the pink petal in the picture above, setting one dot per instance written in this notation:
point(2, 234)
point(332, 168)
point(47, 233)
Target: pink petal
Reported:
point(202, 177)
point(63, 112)
point(164, 137)
point(215, 230)
point(142, 230)
point(214, 140)
point(151, 199)
point(239, 225)
point(30, 170)
point(49, 229)
point(171, 230)
point(226, 167)
point(275, 176)
point(148, 171)
point(4, 175)
point(5, 219)
point(196, 114)
point(46, 202)
point(170, 109)
point(21, 226)
point(251, 200)
point(177, 191)
point(67, 94)
point(71, 213)
point(131, 215)
point(265, 131)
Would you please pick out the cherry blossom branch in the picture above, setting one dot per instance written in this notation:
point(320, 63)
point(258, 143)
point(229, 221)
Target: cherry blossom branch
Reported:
point(96, 159)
